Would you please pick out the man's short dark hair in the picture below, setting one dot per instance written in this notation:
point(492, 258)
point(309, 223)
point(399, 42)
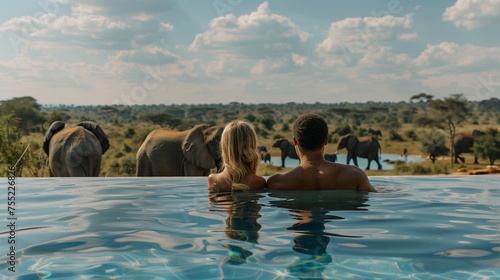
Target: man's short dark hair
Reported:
point(310, 131)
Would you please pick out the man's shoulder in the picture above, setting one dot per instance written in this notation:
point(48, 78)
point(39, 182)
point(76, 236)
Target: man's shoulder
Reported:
point(280, 180)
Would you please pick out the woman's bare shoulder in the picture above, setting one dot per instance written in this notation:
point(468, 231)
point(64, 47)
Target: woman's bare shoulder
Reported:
point(255, 182)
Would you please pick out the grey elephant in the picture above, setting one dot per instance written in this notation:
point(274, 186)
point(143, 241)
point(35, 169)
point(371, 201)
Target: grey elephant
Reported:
point(265, 156)
point(463, 142)
point(262, 148)
point(330, 157)
point(75, 150)
point(365, 147)
point(376, 132)
point(192, 152)
point(287, 150)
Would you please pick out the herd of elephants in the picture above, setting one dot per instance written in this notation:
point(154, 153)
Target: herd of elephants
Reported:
point(75, 150)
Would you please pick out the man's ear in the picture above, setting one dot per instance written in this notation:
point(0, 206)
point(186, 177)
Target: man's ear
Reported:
point(294, 141)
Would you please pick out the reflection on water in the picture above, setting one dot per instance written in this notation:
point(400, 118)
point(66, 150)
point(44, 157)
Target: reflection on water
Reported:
point(241, 223)
point(311, 211)
point(435, 227)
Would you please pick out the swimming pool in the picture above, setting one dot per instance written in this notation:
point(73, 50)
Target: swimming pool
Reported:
point(433, 227)
point(362, 162)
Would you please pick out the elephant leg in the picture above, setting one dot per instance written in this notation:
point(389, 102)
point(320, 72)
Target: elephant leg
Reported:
point(462, 159)
point(143, 167)
point(378, 163)
point(475, 160)
point(368, 166)
point(355, 160)
point(283, 161)
point(349, 157)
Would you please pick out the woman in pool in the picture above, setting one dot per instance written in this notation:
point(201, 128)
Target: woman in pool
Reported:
point(240, 159)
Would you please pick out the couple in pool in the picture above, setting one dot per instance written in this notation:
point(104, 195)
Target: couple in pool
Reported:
point(310, 135)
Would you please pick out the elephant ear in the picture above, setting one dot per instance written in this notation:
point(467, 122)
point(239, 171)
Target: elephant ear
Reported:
point(195, 149)
point(98, 132)
point(284, 144)
point(352, 141)
point(54, 128)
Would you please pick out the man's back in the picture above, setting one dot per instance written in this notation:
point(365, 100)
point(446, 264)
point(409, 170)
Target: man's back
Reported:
point(322, 176)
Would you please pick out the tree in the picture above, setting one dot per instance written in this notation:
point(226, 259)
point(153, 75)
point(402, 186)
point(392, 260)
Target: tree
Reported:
point(268, 122)
point(26, 109)
point(57, 116)
point(447, 115)
point(162, 119)
point(250, 117)
point(434, 144)
point(488, 145)
point(108, 111)
point(421, 97)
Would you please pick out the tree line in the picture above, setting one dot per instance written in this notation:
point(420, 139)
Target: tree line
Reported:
point(23, 116)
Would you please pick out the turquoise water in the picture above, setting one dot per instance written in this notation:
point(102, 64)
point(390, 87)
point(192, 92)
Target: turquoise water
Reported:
point(435, 227)
point(362, 162)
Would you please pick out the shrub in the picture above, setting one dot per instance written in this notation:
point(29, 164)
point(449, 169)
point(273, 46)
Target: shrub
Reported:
point(488, 145)
point(433, 144)
point(394, 136)
point(268, 122)
point(411, 135)
point(342, 130)
point(285, 127)
point(126, 148)
point(277, 136)
point(130, 132)
point(421, 168)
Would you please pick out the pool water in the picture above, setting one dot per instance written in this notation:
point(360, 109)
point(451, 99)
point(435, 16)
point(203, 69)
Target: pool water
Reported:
point(362, 162)
point(434, 227)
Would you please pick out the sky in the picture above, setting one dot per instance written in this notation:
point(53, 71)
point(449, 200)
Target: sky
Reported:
point(92, 52)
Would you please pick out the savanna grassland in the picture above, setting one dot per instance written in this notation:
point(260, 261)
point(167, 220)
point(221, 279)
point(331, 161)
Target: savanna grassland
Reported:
point(402, 124)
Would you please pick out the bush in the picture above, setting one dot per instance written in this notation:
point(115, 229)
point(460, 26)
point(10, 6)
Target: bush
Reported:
point(488, 145)
point(285, 127)
point(342, 130)
point(127, 165)
point(250, 118)
point(126, 148)
point(421, 168)
point(434, 144)
point(130, 132)
point(268, 122)
point(411, 135)
point(394, 136)
point(277, 136)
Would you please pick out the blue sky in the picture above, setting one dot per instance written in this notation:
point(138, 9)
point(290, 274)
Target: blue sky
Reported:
point(91, 52)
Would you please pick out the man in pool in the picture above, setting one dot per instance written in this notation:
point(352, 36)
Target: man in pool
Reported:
point(310, 136)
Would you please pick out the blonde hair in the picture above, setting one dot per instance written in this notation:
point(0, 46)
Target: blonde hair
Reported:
point(239, 152)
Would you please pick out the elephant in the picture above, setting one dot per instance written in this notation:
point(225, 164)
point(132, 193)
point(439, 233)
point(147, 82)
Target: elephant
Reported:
point(265, 156)
point(375, 132)
point(330, 157)
point(262, 149)
point(287, 150)
point(75, 150)
point(365, 147)
point(463, 142)
point(191, 152)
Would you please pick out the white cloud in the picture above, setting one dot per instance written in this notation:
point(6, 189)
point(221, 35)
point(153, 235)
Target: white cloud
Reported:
point(408, 36)
point(348, 40)
point(258, 35)
point(474, 13)
point(88, 31)
point(119, 8)
point(454, 57)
